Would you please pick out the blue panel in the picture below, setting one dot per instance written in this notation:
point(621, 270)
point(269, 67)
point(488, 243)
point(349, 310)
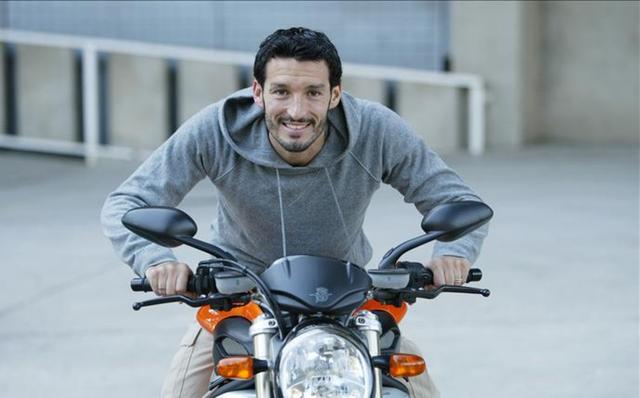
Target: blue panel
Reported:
point(409, 33)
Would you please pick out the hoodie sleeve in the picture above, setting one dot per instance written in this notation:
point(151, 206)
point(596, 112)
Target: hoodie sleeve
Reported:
point(162, 180)
point(423, 178)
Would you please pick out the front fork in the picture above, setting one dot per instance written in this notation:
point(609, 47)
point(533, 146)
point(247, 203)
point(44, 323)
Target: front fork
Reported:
point(368, 324)
point(261, 331)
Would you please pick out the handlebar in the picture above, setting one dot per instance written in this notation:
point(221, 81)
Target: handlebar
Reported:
point(420, 277)
point(140, 285)
point(203, 284)
point(143, 285)
point(475, 275)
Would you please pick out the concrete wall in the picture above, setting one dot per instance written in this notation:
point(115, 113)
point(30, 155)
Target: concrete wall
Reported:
point(46, 98)
point(435, 113)
point(530, 62)
point(591, 88)
point(201, 84)
point(138, 103)
point(370, 89)
point(555, 70)
point(488, 38)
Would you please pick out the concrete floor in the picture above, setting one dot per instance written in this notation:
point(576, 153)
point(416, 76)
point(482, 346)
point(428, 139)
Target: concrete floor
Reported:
point(561, 261)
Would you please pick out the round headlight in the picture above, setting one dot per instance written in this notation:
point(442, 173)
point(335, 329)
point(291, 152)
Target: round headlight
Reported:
point(323, 362)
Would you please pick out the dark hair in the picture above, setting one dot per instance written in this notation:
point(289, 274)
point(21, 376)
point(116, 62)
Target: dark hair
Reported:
point(302, 44)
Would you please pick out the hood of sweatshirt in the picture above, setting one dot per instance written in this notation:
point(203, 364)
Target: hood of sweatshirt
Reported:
point(243, 125)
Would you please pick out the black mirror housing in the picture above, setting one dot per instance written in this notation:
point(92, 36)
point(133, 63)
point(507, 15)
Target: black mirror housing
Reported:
point(456, 219)
point(160, 225)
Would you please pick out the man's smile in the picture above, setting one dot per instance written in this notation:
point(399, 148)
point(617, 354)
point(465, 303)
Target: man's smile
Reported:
point(296, 128)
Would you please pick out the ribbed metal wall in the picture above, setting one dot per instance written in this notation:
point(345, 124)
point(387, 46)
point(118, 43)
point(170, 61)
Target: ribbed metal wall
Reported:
point(398, 33)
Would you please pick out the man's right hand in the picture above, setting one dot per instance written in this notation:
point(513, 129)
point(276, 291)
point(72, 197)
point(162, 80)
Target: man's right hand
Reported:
point(167, 279)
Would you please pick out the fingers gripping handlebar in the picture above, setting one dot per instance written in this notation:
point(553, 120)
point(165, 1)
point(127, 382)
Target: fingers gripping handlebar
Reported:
point(202, 282)
point(196, 284)
point(143, 285)
point(204, 288)
point(421, 276)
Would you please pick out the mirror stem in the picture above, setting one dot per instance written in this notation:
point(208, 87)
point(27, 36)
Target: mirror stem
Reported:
point(205, 247)
point(389, 260)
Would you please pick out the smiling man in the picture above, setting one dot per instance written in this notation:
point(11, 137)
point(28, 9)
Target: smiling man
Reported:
point(299, 96)
point(296, 162)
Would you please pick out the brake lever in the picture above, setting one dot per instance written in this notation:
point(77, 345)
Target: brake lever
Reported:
point(216, 301)
point(398, 296)
point(431, 294)
point(170, 299)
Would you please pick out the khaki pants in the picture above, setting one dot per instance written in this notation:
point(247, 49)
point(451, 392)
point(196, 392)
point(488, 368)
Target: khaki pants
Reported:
point(192, 367)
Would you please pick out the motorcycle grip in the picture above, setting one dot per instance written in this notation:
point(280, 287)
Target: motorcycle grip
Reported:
point(140, 285)
point(143, 285)
point(475, 274)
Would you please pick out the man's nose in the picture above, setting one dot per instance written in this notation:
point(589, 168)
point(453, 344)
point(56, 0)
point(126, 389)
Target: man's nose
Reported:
point(297, 108)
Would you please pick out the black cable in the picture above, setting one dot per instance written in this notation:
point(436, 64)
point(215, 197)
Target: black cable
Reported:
point(243, 269)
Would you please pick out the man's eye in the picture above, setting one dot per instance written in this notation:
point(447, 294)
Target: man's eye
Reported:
point(314, 93)
point(279, 92)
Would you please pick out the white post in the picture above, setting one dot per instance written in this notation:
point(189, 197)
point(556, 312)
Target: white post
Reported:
point(90, 102)
point(476, 133)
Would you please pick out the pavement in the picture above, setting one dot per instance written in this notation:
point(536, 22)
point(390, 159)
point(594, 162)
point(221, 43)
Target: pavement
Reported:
point(561, 260)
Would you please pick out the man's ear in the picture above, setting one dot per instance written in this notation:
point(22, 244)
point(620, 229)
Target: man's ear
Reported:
point(336, 94)
point(257, 93)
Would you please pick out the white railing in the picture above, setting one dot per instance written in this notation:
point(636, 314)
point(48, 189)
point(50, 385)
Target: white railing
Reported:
point(90, 46)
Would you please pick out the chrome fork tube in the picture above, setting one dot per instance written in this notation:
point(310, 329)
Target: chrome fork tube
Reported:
point(261, 331)
point(263, 380)
point(367, 323)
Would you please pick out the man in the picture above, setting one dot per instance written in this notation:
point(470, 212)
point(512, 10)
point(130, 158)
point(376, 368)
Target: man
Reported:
point(295, 161)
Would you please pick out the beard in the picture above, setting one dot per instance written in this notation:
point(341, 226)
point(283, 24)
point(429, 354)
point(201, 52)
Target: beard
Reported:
point(318, 129)
point(274, 123)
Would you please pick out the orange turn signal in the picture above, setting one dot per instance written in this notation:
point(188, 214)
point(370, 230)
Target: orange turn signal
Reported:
point(240, 367)
point(209, 318)
point(397, 313)
point(406, 365)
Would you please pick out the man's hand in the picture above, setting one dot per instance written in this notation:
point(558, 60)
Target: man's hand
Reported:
point(169, 278)
point(449, 270)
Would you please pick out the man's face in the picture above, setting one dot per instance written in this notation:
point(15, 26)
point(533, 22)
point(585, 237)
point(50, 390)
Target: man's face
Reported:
point(296, 98)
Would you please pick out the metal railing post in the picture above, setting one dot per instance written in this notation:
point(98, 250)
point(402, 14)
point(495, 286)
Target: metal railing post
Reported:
point(90, 102)
point(476, 126)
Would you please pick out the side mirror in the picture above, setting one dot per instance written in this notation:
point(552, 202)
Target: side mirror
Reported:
point(456, 219)
point(161, 225)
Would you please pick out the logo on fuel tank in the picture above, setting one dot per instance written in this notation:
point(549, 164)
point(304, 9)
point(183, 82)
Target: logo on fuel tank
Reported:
point(321, 295)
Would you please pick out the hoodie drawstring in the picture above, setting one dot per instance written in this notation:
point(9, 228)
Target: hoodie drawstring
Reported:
point(284, 235)
point(335, 200)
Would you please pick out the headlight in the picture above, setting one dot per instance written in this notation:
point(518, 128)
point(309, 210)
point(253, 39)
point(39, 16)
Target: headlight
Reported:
point(324, 363)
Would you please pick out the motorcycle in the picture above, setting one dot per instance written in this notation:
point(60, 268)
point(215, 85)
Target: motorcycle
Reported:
point(307, 326)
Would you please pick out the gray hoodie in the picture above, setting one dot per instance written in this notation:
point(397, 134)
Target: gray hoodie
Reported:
point(268, 208)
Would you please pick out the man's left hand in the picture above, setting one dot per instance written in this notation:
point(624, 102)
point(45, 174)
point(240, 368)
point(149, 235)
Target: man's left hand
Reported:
point(449, 270)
